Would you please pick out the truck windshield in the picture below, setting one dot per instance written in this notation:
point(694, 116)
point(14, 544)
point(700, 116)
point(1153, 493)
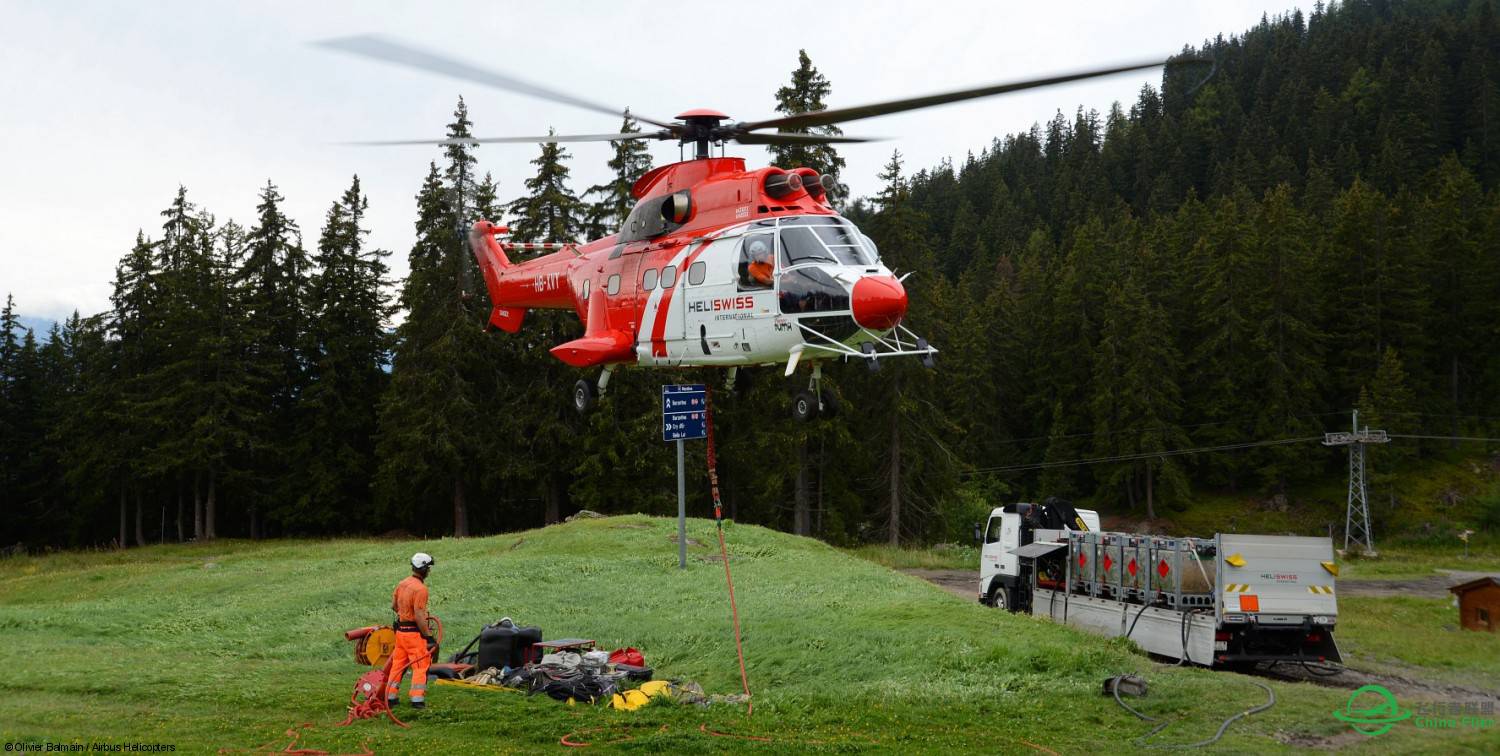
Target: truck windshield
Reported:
point(822, 239)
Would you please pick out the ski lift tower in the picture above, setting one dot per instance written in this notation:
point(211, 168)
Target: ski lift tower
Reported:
point(1357, 528)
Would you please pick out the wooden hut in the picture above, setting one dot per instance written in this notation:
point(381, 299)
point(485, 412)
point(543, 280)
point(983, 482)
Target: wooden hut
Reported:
point(1479, 603)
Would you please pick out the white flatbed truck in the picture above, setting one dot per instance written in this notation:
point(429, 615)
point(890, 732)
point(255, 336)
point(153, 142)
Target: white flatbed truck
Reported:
point(1230, 600)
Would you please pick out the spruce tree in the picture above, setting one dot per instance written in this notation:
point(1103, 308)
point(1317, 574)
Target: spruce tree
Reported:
point(348, 348)
point(437, 416)
point(550, 212)
point(630, 162)
point(1288, 370)
point(805, 94)
point(1135, 401)
point(274, 279)
point(176, 394)
point(10, 410)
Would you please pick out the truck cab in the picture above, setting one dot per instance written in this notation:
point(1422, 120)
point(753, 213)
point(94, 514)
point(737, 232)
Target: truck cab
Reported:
point(1003, 533)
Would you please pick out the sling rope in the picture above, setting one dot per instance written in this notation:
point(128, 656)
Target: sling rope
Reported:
point(713, 483)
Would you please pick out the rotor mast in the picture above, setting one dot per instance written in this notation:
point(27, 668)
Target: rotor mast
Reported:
point(700, 126)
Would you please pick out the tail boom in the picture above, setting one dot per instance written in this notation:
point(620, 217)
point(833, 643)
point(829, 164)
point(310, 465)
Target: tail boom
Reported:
point(514, 288)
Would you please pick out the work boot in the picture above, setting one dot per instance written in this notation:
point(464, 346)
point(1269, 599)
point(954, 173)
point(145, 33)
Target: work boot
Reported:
point(419, 704)
point(392, 702)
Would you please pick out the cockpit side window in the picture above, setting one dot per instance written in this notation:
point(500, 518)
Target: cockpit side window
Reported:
point(757, 265)
point(800, 245)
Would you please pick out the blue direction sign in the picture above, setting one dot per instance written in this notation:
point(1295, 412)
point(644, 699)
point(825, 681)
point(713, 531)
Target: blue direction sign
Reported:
point(684, 412)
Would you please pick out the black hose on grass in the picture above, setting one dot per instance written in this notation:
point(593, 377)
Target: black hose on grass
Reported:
point(1141, 741)
point(1144, 605)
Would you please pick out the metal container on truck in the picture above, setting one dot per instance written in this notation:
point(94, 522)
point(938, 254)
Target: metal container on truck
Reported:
point(1230, 600)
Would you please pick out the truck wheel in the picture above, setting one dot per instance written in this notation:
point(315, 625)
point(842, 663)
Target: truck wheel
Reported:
point(1000, 598)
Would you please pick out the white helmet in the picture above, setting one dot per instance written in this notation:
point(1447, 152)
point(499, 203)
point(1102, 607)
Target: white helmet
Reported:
point(421, 561)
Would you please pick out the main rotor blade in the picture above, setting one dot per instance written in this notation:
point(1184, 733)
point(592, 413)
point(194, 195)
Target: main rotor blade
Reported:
point(840, 115)
point(524, 139)
point(388, 51)
point(800, 139)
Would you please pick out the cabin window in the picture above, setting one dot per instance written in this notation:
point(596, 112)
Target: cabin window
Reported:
point(993, 536)
point(1484, 616)
point(648, 279)
point(669, 276)
point(757, 262)
point(697, 273)
point(612, 286)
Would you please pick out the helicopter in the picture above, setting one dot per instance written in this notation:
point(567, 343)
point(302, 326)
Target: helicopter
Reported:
point(717, 265)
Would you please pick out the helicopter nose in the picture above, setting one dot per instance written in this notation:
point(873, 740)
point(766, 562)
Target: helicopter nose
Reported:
point(878, 302)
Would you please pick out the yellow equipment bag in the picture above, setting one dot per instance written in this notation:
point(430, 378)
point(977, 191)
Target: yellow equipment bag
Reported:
point(631, 700)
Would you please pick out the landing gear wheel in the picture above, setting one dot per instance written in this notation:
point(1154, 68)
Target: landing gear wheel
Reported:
point(1000, 598)
point(585, 396)
point(929, 360)
point(871, 361)
point(830, 408)
point(804, 406)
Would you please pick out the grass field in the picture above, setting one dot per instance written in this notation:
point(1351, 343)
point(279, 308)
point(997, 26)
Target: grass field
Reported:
point(226, 645)
point(1417, 637)
point(943, 557)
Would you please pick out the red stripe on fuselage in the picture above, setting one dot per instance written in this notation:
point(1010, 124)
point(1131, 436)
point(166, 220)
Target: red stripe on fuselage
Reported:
point(659, 328)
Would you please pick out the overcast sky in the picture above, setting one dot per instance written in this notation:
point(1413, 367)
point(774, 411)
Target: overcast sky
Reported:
point(106, 107)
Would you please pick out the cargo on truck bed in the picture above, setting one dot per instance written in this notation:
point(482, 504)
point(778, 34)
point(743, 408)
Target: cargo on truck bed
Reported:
point(1231, 600)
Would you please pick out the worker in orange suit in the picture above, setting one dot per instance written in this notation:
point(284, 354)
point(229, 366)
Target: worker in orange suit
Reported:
point(410, 605)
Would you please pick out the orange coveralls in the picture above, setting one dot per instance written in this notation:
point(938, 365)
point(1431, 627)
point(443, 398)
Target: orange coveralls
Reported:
point(411, 649)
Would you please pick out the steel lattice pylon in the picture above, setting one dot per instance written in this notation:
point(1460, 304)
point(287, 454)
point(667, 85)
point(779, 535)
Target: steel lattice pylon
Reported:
point(1358, 530)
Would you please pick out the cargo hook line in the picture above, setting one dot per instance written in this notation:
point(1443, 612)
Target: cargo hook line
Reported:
point(713, 482)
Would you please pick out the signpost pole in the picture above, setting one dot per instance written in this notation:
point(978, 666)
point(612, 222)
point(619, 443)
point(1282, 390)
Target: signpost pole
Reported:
point(684, 413)
point(681, 511)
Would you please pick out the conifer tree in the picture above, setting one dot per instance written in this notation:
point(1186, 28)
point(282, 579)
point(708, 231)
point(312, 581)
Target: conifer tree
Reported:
point(805, 94)
point(1135, 400)
point(915, 466)
point(274, 279)
point(178, 385)
point(435, 417)
point(10, 410)
point(1288, 373)
point(348, 348)
point(550, 212)
point(630, 162)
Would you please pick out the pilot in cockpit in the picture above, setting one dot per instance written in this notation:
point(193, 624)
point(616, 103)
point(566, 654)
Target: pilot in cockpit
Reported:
point(761, 261)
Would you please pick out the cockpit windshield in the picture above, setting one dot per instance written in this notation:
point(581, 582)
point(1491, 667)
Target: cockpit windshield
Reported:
point(822, 239)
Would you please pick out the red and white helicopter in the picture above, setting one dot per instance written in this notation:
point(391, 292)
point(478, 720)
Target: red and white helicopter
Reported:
point(717, 265)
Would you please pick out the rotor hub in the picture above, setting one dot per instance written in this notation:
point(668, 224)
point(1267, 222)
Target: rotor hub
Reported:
point(701, 127)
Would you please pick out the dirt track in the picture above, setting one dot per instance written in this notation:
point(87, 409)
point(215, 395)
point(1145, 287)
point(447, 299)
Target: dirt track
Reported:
point(961, 583)
point(965, 585)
